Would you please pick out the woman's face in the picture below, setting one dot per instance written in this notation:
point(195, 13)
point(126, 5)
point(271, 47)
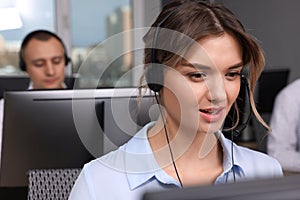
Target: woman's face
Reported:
point(199, 91)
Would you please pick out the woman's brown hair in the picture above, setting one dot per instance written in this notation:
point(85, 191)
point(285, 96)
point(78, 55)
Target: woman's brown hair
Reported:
point(197, 20)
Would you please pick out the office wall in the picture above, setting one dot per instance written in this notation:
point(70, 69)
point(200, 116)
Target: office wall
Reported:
point(275, 23)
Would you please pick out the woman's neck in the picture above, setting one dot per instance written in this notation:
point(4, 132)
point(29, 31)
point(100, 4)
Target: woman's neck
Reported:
point(198, 161)
point(185, 145)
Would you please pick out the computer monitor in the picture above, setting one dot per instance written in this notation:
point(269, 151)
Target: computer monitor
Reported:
point(19, 83)
point(287, 188)
point(13, 83)
point(66, 128)
point(269, 84)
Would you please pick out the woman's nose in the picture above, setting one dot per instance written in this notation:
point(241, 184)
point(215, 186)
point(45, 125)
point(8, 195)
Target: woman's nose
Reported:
point(216, 90)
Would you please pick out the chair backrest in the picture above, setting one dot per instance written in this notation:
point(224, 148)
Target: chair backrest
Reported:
point(51, 183)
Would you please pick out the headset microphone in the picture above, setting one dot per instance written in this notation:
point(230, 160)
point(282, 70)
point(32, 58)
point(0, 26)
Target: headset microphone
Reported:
point(239, 128)
point(242, 126)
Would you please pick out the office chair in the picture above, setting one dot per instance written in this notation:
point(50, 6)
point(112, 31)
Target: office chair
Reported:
point(51, 184)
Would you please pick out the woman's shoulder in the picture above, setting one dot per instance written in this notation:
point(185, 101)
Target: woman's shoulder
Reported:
point(103, 175)
point(245, 151)
point(245, 154)
point(113, 159)
point(255, 161)
point(105, 168)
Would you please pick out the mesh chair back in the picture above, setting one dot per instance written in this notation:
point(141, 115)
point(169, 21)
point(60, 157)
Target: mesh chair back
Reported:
point(51, 183)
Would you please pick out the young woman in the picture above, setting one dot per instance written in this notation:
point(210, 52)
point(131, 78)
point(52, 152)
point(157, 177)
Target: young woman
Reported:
point(195, 54)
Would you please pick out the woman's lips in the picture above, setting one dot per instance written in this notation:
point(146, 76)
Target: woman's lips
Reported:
point(211, 114)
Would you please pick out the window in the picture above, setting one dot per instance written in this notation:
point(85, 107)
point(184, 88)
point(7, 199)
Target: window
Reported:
point(23, 17)
point(92, 24)
point(85, 27)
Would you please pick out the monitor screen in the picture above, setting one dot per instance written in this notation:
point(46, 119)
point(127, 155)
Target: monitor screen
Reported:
point(19, 83)
point(66, 128)
point(287, 188)
point(13, 83)
point(269, 84)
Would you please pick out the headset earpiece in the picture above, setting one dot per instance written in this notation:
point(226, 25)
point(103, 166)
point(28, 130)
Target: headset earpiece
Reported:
point(21, 61)
point(154, 77)
point(155, 74)
point(67, 59)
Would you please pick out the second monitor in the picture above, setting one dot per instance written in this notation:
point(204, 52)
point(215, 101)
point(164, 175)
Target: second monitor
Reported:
point(66, 128)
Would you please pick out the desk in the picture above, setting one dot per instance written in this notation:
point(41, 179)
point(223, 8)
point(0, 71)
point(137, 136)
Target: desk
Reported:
point(288, 173)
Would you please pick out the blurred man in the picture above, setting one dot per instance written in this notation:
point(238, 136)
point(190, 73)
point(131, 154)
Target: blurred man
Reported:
point(43, 56)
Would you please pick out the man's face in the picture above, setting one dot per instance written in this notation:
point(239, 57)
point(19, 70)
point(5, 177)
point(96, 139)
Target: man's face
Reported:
point(45, 63)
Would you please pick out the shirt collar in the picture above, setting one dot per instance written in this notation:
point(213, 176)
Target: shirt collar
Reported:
point(141, 165)
point(232, 160)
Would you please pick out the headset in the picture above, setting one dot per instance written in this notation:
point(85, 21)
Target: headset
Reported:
point(34, 35)
point(154, 74)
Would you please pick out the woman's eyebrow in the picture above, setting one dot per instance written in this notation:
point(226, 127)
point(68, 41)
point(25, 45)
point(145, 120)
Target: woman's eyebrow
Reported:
point(195, 65)
point(238, 65)
point(204, 67)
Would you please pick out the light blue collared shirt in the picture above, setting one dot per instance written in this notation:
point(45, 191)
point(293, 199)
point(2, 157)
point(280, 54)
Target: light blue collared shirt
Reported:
point(132, 170)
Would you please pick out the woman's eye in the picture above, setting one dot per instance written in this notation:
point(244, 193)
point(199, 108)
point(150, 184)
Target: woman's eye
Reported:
point(233, 75)
point(197, 76)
